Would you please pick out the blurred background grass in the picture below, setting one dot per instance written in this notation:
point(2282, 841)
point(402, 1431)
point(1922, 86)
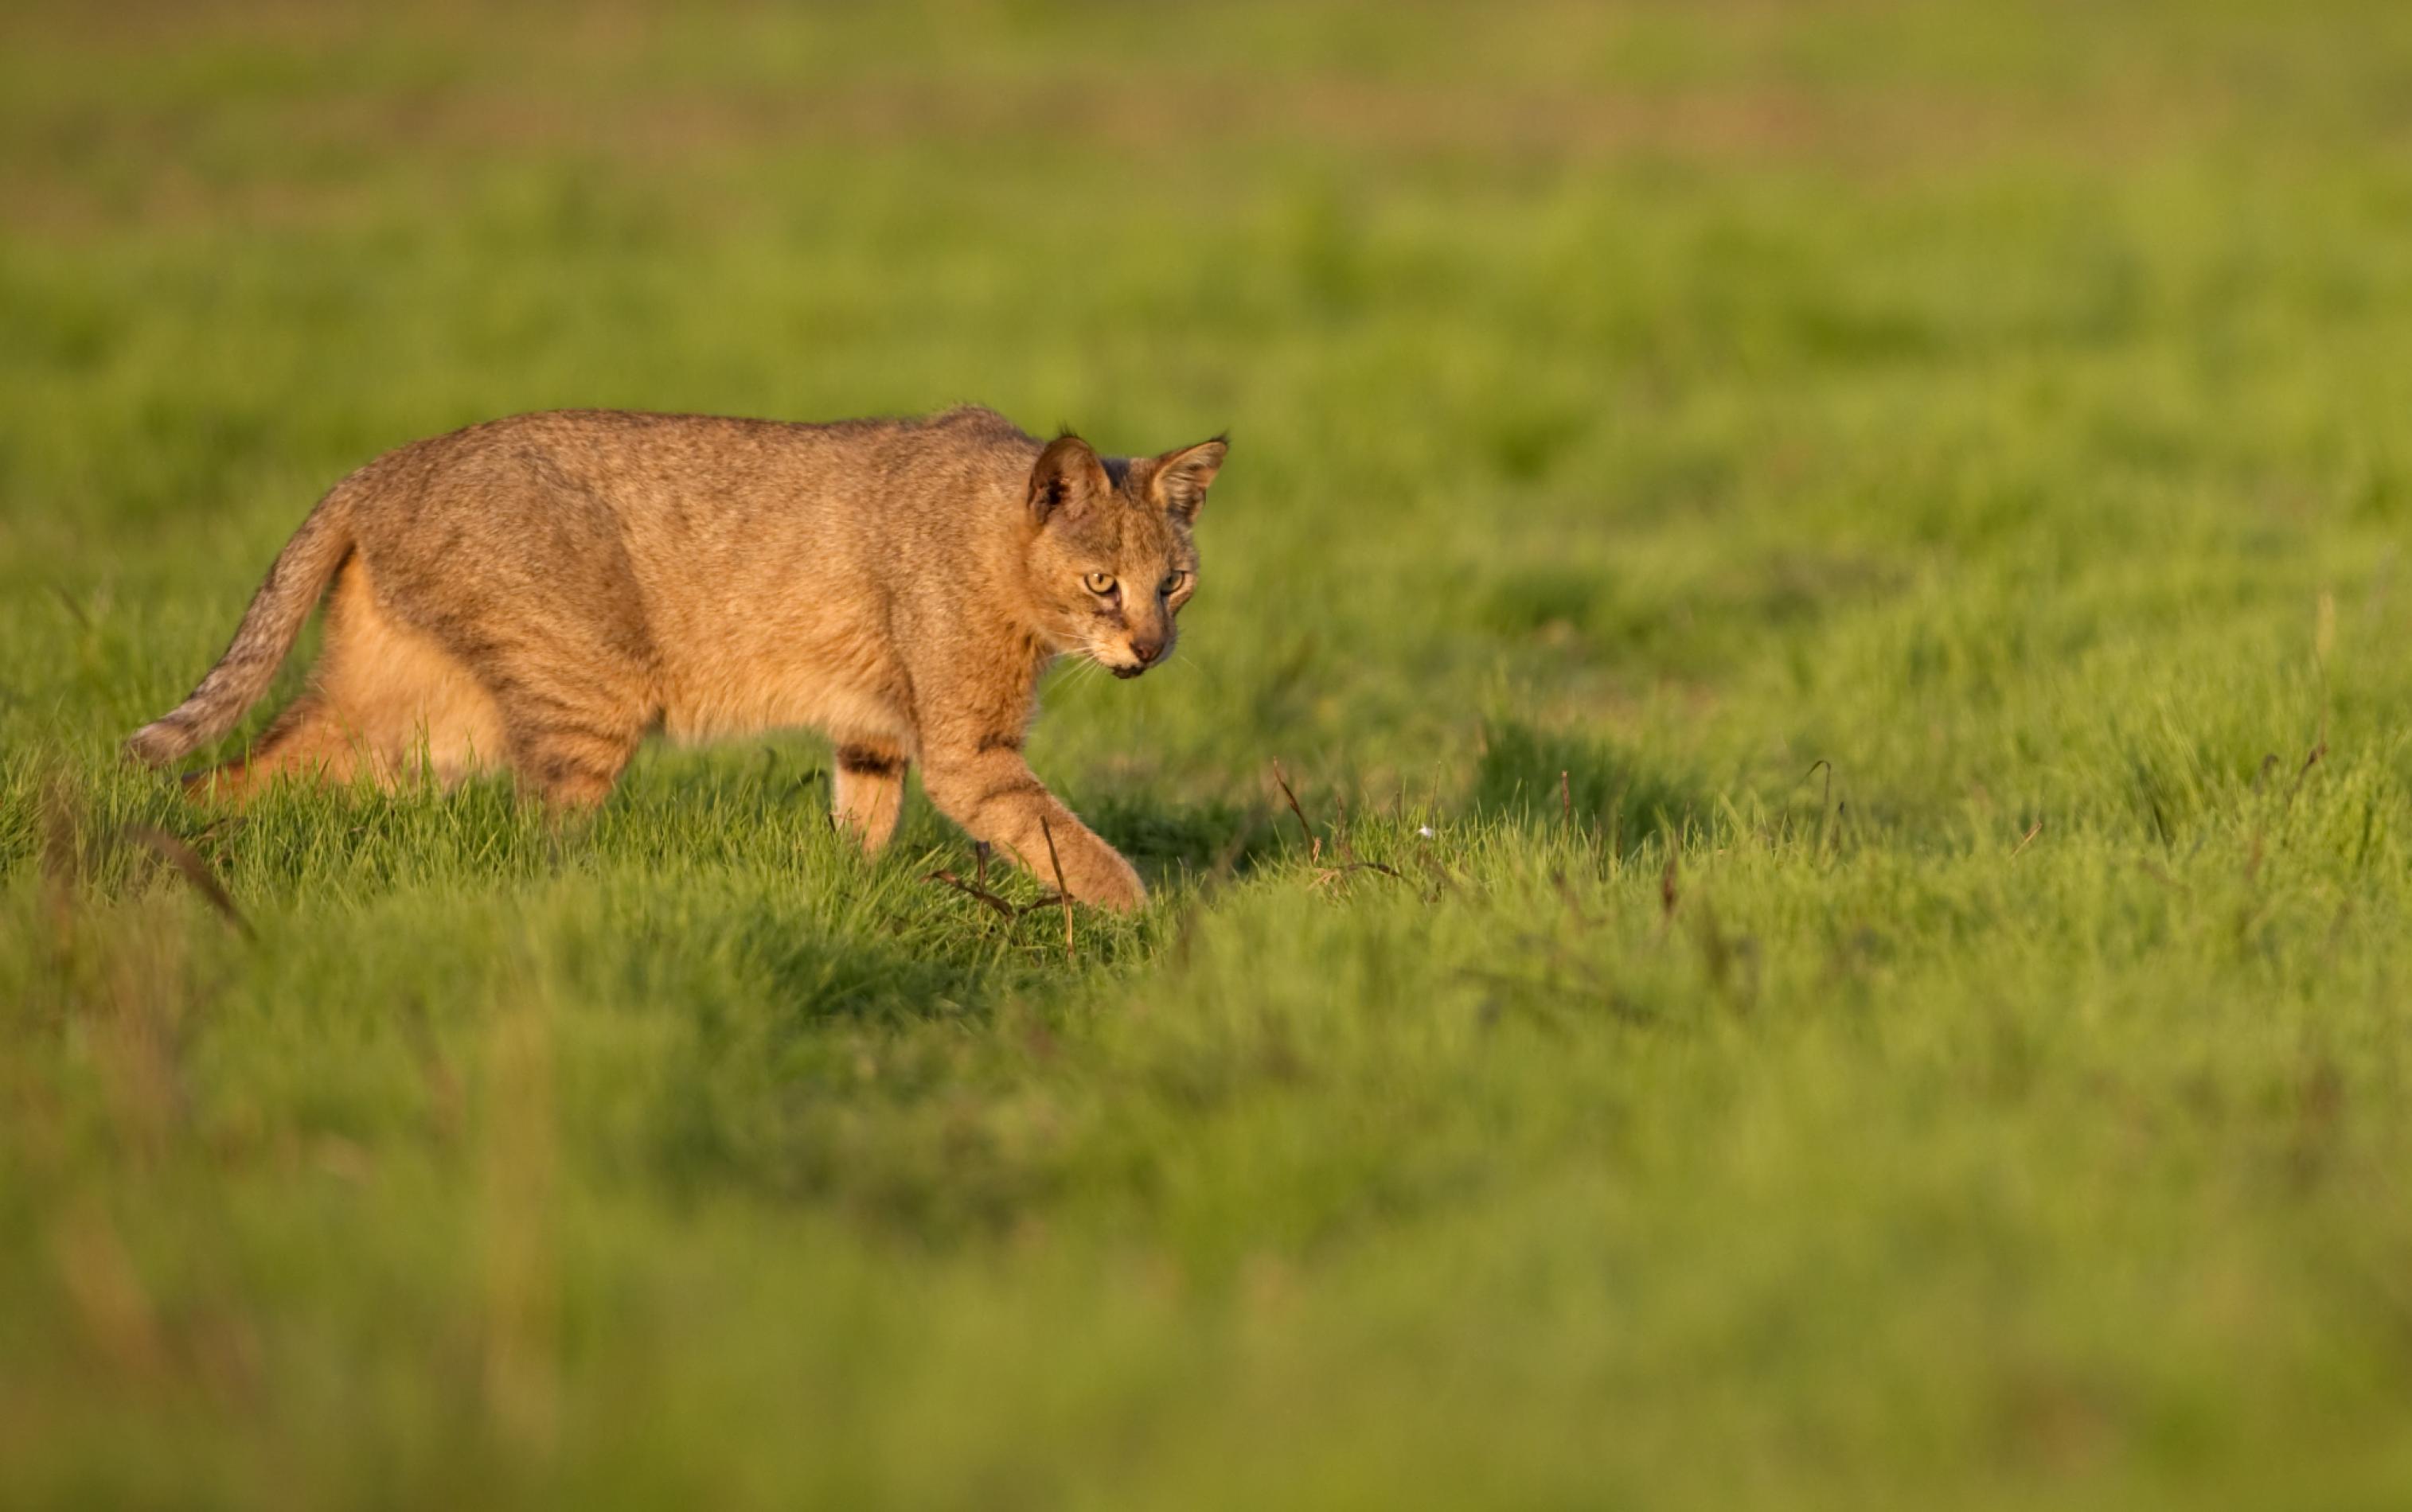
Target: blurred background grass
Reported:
point(1866, 533)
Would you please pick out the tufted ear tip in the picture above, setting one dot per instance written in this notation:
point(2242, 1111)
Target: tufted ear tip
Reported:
point(1180, 477)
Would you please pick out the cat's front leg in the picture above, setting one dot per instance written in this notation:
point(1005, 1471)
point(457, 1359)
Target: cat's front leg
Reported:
point(869, 791)
point(993, 793)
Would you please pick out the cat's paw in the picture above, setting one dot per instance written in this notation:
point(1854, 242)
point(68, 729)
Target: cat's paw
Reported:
point(1112, 884)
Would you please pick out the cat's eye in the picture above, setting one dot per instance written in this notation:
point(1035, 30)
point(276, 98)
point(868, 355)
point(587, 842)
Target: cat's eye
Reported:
point(1101, 584)
point(1174, 583)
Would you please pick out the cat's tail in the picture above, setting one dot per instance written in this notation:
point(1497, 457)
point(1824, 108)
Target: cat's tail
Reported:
point(269, 626)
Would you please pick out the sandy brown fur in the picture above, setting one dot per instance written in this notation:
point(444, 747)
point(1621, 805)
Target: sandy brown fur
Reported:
point(537, 593)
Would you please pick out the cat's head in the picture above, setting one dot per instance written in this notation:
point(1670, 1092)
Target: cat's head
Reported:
point(1109, 556)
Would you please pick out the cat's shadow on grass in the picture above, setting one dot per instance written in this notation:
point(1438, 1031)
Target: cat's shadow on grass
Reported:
point(1166, 839)
point(1526, 777)
point(1535, 778)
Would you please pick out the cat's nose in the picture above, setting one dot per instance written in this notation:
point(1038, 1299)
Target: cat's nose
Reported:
point(1147, 651)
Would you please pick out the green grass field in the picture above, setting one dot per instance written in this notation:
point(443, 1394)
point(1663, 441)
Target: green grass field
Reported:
point(1845, 558)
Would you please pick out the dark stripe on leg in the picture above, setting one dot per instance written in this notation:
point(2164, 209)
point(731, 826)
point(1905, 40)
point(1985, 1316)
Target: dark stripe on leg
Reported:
point(867, 761)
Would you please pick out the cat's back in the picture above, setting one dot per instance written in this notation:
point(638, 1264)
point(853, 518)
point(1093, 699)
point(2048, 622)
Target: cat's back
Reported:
point(639, 449)
point(709, 485)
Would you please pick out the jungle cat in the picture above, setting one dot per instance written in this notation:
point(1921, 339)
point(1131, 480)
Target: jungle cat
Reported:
point(537, 593)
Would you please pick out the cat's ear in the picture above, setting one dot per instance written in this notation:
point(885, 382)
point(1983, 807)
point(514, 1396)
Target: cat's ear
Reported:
point(1066, 476)
point(1181, 478)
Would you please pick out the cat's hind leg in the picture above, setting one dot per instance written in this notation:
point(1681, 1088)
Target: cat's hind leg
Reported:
point(306, 742)
point(568, 740)
point(415, 710)
point(573, 712)
point(386, 699)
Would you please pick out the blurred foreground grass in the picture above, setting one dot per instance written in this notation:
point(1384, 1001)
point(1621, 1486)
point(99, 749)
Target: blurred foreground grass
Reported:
point(1846, 557)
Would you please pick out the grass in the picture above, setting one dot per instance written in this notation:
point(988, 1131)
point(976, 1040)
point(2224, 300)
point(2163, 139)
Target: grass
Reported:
point(1842, 565)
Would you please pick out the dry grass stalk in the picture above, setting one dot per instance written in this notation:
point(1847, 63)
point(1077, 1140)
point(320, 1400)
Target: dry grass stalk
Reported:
point(2029, 839)
point(188, 864)
point(1313, 846)
point(1061, 892)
